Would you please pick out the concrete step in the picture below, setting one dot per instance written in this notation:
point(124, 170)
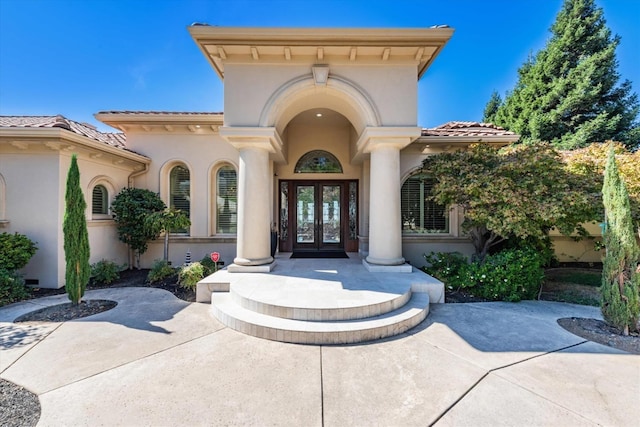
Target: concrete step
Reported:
point(226, 310)
point(318, 303)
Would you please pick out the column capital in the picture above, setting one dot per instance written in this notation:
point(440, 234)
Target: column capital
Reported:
point(264, 138)
point(398, 137)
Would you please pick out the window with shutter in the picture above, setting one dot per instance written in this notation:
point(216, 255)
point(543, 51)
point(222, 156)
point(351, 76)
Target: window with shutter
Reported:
point(180, 191)
point(99, 200)
point(420, 214)
point(226, 200)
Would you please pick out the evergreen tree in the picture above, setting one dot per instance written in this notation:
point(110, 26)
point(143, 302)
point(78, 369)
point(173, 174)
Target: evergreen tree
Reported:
point(76, 238)
point(491, 108)
point(568, 94)
point(620, 274)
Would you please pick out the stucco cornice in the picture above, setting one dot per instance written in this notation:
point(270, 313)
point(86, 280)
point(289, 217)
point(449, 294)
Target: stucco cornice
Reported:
point(417, 46)
point(61, 139)
point(127, 121)
point(439, 144)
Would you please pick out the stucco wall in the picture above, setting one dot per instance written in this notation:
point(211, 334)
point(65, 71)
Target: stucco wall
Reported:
point(32, 208)
point(391, 89)
point(203, 154)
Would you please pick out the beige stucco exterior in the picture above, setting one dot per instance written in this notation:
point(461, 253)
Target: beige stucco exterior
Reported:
point(34, 164)
point(351, 93)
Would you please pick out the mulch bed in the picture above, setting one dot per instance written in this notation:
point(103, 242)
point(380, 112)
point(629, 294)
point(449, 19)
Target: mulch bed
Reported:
point(598, 331)
point(67, 311)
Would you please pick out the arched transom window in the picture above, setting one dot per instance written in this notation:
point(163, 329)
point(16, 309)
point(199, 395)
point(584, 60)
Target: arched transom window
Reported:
point(318, 161)
point(419, 213)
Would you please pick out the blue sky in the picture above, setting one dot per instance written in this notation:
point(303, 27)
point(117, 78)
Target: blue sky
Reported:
point(78, 57)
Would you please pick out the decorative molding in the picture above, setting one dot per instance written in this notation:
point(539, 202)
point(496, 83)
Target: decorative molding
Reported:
point(95, 155)
point(168, 128)
point(385, 54)
point(20, 145)
point(222, 53)
point(254, 53)
point(52, 145)
point(118, 162)
point(147, 128)
point(320, 74)
point(320, 54)
point(419, 54)
point(353, 54)
point(287, 53)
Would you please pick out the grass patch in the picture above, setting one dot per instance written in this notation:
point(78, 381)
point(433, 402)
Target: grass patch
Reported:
point(573, 298)
point(587, 278)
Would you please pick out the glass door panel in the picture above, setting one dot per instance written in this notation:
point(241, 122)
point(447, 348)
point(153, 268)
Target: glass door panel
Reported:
point(305, 214)
point(331, 214)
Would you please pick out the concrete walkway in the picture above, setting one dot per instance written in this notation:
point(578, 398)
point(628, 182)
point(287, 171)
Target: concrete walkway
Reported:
point(155, 360)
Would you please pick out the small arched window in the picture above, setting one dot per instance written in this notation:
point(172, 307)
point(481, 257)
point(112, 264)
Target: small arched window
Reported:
point(420, 214)
point(226, 200)
point(99, 200)
point(180, 191)
point(318, 161)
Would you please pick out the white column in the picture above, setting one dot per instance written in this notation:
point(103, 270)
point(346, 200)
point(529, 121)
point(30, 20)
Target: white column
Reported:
point(256, 146)
point(254, 207)
point(383, 145)
point(385, 232)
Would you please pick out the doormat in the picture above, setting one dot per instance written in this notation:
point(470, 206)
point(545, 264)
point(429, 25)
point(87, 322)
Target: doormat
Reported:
point(320, 254)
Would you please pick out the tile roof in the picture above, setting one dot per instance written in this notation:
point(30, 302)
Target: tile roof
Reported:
point(467, 129)
point(116, 140)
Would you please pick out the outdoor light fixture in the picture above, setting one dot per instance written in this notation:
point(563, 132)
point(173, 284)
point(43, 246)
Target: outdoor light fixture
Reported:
point(318, 114)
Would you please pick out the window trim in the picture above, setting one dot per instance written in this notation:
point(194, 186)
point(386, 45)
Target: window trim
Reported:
point(213, 194)
point(451, 215)
point(105, 182)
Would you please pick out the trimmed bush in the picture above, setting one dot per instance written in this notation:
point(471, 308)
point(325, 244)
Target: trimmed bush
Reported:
point(208, 265)
point(446, 266)
point(105, 272)
point(190, 275)
point(15, 251)
point(509, 275)
point(12, 288)
point(160, 270)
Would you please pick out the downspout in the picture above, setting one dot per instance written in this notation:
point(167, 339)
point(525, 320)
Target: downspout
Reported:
point(133, 175)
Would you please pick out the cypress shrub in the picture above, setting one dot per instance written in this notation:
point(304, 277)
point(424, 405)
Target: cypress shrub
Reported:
point(76, 238)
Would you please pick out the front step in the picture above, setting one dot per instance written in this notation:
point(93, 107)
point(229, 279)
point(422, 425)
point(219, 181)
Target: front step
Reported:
point(318, 302)
point(244, 320)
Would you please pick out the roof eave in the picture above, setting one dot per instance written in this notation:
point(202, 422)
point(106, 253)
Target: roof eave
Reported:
point(63, 134)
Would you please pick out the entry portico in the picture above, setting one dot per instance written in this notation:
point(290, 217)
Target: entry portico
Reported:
point(350, 93)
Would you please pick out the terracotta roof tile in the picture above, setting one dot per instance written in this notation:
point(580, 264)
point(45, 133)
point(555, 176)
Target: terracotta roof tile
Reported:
point(467, 129)
point(117, 140)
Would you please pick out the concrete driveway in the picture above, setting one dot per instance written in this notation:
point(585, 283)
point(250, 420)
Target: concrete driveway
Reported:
point(155, 360)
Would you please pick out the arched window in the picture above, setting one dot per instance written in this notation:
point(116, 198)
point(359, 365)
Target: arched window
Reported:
point(99, 200)
point(420, 214)
point(226, 200)
point(180, 190)
point(318, 161)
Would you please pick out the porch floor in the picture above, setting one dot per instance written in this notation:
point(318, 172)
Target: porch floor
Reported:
point(320, 301)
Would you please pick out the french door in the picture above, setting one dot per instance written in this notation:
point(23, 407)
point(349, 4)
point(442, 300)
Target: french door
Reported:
point(318, 215)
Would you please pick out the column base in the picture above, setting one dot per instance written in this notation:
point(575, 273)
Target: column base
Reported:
point(264, 268)
point(378, 268)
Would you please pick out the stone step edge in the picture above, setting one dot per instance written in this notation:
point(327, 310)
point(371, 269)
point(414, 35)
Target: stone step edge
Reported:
point(322, 314)
point(311, 332)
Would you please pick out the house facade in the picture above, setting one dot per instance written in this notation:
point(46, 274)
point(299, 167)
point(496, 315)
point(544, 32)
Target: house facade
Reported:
point(319, 140)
